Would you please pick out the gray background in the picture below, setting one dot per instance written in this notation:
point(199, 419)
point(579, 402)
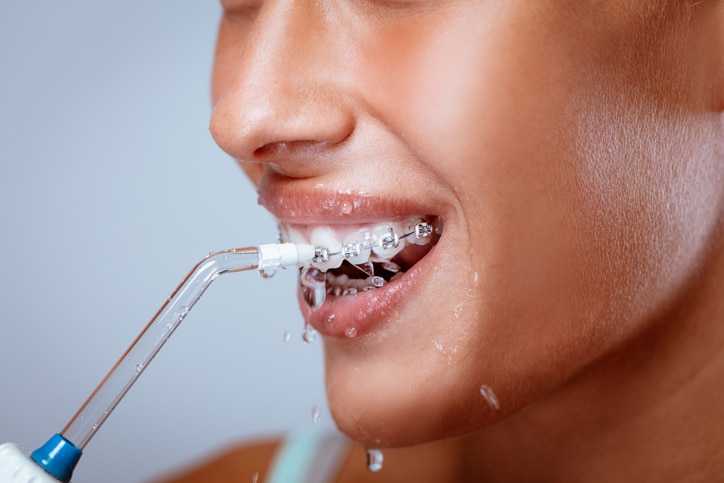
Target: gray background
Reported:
point(111, 188)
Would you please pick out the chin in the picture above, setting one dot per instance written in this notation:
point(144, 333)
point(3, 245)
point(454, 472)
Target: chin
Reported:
point(387, 407)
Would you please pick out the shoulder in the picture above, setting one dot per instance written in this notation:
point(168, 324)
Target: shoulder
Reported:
point(320, 457)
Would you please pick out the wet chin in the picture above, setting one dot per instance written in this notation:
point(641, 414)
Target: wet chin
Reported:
point(382, 409)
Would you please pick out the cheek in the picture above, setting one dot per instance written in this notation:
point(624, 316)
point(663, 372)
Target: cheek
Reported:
point(578, 215)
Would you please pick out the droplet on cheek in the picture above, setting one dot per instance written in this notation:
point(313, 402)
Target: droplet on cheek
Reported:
point(458, 311)
point(489, 396)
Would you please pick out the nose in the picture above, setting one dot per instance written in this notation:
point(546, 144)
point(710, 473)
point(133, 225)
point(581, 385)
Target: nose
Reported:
point(283, 99)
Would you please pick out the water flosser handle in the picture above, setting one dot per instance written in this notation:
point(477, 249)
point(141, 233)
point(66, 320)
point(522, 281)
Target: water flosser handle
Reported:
point(55, 460)
point(17, 467)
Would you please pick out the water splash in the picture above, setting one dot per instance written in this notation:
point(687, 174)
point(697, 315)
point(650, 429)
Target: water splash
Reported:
point(375, 459)
point(309, 335)
point(313, 285)
point(316, 413)
point(267, 272)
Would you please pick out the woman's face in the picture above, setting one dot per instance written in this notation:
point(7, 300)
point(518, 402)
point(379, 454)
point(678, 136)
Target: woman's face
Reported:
point(567, 146)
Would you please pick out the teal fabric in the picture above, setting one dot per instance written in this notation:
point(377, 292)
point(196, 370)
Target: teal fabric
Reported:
point(294, 460)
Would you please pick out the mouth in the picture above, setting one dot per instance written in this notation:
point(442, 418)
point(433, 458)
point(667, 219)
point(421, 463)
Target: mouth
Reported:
point(360, 271)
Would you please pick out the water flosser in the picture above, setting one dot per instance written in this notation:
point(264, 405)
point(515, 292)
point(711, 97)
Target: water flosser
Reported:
point(56, 459)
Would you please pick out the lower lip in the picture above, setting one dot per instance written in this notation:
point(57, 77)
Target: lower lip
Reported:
point(353, 315)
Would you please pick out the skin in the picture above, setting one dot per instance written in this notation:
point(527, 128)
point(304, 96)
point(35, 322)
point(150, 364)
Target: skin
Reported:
point(574, 150)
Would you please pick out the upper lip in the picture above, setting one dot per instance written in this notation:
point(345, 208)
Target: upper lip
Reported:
point(298, 201)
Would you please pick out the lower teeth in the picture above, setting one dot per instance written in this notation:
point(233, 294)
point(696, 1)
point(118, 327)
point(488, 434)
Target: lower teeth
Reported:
point(317, 281)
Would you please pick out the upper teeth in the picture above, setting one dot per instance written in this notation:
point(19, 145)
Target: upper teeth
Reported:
point(358, 244)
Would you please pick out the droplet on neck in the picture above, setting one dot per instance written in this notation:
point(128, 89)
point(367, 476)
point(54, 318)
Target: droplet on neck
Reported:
point(489, 396)
point(350, 332)
point(313, 285)
point(374, 460)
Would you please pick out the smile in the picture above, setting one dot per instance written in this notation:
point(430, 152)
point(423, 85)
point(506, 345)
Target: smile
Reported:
point(351, 261)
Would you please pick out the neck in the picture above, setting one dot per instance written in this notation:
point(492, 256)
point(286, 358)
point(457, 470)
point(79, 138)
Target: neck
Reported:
point(653, 411)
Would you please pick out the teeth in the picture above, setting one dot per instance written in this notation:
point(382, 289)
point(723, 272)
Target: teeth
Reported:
point(389, 242)
point(339, 284)
point(324, 237)
point(420, 233)
point(357, 247)
point(391, 266)
point(361, 246)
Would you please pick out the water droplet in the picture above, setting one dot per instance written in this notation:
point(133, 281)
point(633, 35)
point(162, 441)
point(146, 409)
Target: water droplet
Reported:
point(489, 396)
point(255, 478)
point(367, 268)
point(376, 281)
point(287, 336)
point(139, 367)
point(475, 279)
point(329, 320)
point(391, 266)
point(350, 332)
point(309, 335)
point(346, 208)
point(374, 460)
point(267, 272)
point(315, 414)
point(313, 284)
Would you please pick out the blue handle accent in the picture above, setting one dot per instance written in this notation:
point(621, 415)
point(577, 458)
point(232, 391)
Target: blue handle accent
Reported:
point(57, 456)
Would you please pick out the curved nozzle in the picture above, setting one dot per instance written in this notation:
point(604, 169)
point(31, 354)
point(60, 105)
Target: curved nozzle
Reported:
point(61, 453)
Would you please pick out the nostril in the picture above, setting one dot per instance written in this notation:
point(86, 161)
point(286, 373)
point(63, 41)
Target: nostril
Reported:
point(284, 148)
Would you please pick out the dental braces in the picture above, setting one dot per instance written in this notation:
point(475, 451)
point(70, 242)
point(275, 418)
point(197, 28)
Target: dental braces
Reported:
point(388, 241)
